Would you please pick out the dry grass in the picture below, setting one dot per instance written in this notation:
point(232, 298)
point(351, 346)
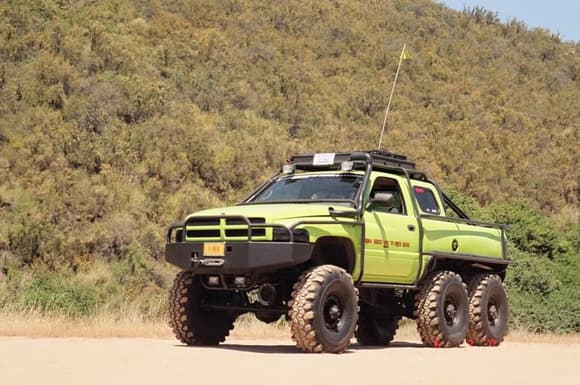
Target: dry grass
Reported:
point(32, 324)
point(130, 325)
point(549, 338)
point(247, 327)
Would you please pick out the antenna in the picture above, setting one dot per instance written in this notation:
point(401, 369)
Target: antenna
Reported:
point(404, 55)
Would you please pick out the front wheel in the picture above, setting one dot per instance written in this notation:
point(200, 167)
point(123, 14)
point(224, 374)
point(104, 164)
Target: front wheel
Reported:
point(324, 310)
point(191, 323)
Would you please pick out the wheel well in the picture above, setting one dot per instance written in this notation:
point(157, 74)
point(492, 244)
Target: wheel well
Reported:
point(336, 251)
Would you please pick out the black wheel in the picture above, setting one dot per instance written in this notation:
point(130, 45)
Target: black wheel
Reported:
point(488, 311)
point(191, 324)
point(323, 310)
point(376, 328)
point(442, 310)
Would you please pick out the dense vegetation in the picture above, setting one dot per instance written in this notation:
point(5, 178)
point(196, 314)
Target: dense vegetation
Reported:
point(118, 117)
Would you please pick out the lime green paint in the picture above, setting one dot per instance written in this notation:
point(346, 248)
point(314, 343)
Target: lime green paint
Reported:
point(391, 248)
point(391, 261)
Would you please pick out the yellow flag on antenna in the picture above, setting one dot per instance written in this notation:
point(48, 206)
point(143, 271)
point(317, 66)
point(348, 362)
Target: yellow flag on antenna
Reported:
point(405, 53)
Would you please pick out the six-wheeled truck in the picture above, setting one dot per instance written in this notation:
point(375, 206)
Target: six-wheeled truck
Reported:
point(342, 245)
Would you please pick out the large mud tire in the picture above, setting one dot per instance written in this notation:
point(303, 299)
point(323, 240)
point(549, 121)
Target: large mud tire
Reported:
point(488, 311)
point(442, 310)
point(191, 324)
point(323, 310)
point(374, 328)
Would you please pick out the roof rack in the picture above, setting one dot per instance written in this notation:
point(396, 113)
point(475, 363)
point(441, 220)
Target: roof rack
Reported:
point(380, 159)
point(387, 158)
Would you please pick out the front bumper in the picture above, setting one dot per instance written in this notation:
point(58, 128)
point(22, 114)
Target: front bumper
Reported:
point(240, 257)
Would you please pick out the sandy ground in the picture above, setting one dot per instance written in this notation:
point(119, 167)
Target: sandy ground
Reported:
point(113, 361)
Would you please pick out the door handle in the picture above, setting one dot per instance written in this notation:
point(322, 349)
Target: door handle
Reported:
point(411, 227)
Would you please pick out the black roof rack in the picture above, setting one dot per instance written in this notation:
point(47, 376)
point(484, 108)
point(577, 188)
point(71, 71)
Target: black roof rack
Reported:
point(380, 159)
point(387, 158)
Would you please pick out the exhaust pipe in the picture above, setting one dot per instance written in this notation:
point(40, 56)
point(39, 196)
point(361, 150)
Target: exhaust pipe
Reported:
point(267, 294)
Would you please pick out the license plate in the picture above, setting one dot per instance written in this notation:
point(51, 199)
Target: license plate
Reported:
point(214, 249)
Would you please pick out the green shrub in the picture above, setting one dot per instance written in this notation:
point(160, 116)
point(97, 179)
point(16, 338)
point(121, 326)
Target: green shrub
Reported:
point(532, 274)
point(557, 312)
point(53, 294)
point(26, 240)
point(529, 231)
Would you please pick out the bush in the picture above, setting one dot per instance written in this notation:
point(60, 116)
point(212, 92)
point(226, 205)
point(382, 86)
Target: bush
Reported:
point(26, 241)
point(52, 294)
point(529, 231)
point(557, 312)
point(532, 274)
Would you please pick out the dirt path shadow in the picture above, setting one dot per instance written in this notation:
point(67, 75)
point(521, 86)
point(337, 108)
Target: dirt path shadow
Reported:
point(291, 349)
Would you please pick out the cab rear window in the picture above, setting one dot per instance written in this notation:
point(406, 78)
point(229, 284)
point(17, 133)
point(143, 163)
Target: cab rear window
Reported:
point(426, 200)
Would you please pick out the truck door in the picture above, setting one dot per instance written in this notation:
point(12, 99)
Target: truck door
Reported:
point(391, 235)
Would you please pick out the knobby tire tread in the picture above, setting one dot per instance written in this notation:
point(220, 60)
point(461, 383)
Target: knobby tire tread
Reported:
point(425, 309)
point(189, 323)
point(302, 314)
point(476, 333)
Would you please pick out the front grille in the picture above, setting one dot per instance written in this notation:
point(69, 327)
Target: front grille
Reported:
point(203, 233)
point(244, 233)
point(212, 228)
point(240, 221)
point(203, 222)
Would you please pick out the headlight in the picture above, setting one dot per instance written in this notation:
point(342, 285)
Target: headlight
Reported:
point(282, 235)
point(301, 235)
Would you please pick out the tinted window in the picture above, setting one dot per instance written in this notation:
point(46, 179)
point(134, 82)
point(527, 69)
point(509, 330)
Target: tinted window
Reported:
point(387, 185)
point(311, 188)
point(426, 200)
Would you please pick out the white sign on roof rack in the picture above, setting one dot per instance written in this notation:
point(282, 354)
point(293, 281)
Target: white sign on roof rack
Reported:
point(324, 159)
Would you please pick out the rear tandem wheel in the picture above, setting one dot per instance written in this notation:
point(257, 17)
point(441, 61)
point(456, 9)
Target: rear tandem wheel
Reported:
point(442, 310)
point(488, 311)
point(376, 328)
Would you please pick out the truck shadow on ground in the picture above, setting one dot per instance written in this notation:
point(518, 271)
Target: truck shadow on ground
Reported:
point(291, 349)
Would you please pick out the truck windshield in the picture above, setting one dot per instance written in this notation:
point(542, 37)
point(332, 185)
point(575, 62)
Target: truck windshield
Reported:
point(311, 188)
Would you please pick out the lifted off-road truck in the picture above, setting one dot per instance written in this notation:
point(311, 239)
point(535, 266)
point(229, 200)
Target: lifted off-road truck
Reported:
point(341, 244)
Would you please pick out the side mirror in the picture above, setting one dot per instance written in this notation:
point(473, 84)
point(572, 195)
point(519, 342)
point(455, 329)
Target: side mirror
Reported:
point(383, 199)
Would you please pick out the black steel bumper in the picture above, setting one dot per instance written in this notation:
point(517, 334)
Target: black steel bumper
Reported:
point(240, 257)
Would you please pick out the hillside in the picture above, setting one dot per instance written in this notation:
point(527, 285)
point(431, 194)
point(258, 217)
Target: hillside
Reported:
point(119, 117)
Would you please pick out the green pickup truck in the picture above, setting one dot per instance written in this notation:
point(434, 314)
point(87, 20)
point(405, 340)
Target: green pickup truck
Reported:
point(342, 245)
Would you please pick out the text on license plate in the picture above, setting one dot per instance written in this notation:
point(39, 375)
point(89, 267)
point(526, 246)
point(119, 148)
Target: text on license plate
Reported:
point(214, 249)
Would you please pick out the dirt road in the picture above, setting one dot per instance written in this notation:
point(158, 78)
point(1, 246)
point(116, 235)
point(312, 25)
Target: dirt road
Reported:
point(142, 361)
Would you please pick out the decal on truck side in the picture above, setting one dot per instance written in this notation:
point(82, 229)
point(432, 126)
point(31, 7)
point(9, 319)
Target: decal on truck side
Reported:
point(386, 243)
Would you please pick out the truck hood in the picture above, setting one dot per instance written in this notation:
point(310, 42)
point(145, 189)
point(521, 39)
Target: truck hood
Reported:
point(276, 212)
